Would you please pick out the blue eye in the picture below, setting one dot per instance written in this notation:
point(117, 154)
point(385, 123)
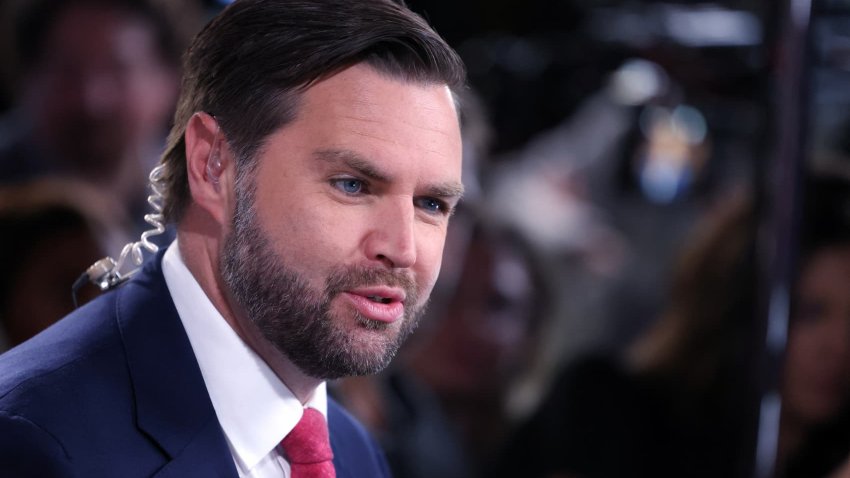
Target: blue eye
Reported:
point(431, 205)
point(349, 185)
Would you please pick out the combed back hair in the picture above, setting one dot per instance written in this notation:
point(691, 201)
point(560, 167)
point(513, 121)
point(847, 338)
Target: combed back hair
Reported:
point(250, 65)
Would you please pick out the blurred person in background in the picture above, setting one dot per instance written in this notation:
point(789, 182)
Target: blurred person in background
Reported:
point(445, 407)
point(53, 229)
point(676, 403)
point(97, 81)
point(815, 421)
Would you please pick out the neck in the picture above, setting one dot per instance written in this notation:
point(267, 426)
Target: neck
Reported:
point(792, 432)
point(200, 246)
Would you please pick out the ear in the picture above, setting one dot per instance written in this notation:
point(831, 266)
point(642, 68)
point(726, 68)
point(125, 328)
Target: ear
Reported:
point(209, 166)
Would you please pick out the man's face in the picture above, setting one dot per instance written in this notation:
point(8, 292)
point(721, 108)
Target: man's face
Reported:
point(337, 236)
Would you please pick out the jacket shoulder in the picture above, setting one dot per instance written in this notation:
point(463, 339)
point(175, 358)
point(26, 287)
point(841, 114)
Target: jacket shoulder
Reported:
point(51, 356)
point(27, 450)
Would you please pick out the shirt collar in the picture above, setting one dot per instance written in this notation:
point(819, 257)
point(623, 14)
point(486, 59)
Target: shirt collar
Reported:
point(254, 407)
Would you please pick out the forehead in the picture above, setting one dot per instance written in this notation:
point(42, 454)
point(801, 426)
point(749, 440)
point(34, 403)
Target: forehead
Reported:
point(380, 118)
point(361, 91)
point(99, 29)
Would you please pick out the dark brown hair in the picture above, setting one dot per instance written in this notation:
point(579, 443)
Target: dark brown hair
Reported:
point(250, 64)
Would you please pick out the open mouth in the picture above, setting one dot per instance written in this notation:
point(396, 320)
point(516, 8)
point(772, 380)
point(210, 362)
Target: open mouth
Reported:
point(379, 299)
point(382, 304)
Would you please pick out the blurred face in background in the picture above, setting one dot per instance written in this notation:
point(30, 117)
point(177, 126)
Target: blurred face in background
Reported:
point(817, 363)
point(100, 91)
point(480, 339)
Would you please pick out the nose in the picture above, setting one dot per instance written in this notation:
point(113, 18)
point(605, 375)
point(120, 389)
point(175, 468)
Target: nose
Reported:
point(100, 94)
point(392, 238)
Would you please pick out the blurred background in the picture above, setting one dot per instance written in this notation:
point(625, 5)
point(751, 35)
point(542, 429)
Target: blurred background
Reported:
point(650, 275)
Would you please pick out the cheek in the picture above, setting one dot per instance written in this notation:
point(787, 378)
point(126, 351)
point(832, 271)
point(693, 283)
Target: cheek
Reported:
point(429, 258)
point(801, 350)
point(309, 239)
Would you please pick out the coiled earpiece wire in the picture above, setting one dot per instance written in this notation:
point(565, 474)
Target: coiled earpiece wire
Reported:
point(108, 272)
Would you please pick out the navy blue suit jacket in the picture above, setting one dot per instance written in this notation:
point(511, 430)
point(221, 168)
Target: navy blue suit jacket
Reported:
point(114, 390)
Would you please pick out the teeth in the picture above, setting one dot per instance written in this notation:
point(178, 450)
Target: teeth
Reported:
point(375, 298)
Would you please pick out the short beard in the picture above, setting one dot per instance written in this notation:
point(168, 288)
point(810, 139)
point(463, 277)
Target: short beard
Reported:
point(296, 318)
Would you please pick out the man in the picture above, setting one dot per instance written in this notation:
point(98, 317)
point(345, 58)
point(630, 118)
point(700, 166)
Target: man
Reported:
point(311, 172)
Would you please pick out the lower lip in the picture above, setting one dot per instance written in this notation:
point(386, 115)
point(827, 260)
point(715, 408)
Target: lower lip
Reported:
point(375, 310)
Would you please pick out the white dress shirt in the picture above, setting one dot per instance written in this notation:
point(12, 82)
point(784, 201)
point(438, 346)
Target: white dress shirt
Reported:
point(255, 409)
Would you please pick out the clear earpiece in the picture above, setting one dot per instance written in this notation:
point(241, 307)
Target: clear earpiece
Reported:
point(214, 168)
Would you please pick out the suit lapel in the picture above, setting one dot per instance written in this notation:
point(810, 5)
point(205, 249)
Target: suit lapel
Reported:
point(197, 460)
point(172, 403)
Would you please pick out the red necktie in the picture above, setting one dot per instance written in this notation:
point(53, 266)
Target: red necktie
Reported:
point(308, 449)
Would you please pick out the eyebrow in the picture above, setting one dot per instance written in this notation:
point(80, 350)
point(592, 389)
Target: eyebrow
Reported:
point(353, 161)
point(448, 190)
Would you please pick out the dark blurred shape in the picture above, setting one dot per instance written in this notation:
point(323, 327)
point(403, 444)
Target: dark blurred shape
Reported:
point(96, 86)
point(52, 231)
point(536, 62)
point(672, 408)
point(679, 403)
